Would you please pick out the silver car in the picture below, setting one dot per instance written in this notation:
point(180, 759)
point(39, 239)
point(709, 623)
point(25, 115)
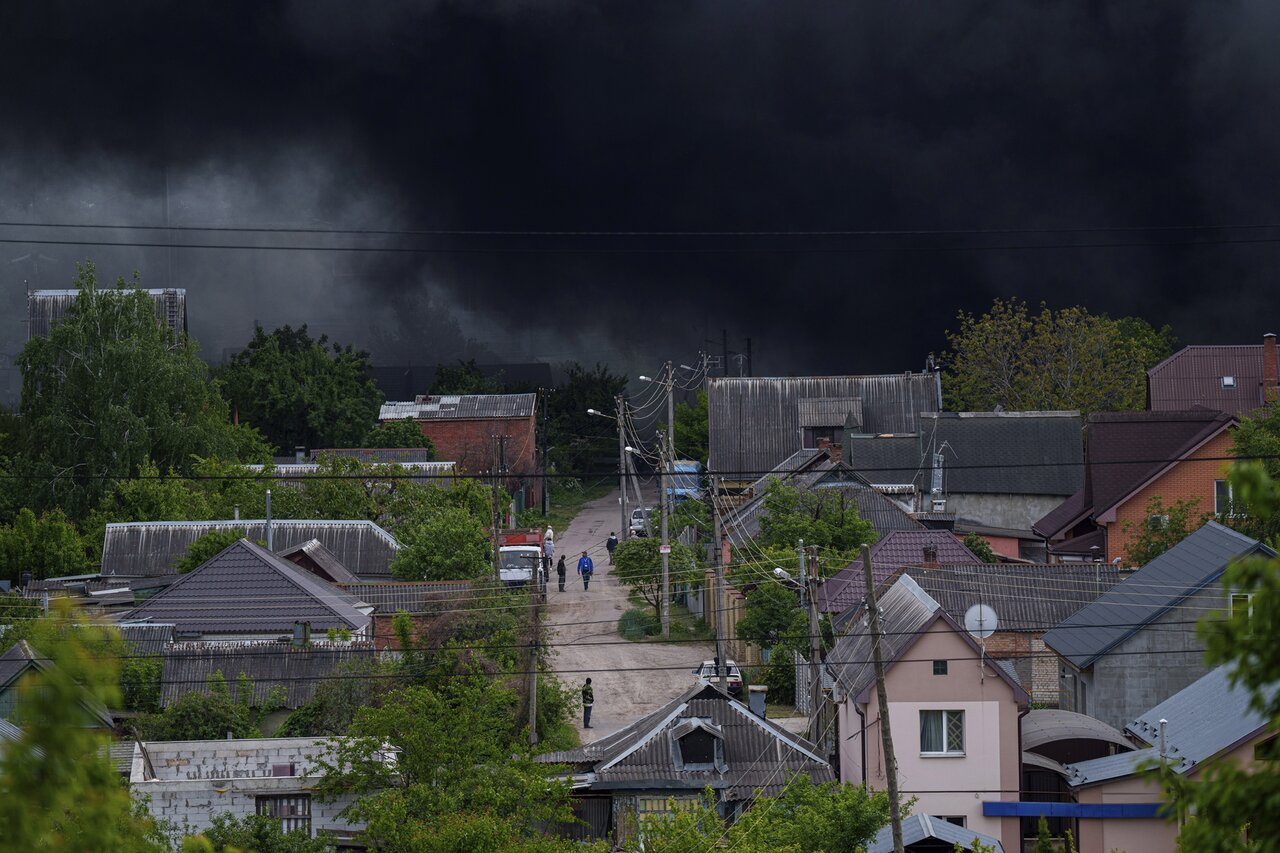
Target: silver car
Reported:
point(639, 516)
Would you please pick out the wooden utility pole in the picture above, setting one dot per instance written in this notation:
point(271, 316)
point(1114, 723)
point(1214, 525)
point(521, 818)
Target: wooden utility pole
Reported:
point(665, 548)
point(497, 560)
point(886, 737)
point(815, 651)
point(624, 530)
point(717, 601)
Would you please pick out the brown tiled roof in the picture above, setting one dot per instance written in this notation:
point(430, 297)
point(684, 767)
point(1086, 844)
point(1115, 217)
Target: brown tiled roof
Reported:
point(897, 549)
point(1193, 376)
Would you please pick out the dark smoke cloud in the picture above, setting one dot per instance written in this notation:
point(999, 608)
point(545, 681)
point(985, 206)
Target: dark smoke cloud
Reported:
point(654, 116)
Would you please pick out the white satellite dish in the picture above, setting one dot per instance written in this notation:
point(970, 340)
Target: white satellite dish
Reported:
point(980, 621)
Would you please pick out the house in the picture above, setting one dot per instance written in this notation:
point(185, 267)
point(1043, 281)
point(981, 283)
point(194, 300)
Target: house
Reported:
point(1131, 458)
point(46, 307)
point(1136, 645)
point(1232, 379)
point(755, 423)
point(702, 739)
point(423, 601)
point(953, 711)
point(481, 433)
point(994, 473)
point(19, 663)
point(246, 594)
point(922, 833)
point(898, 549)
point(151, 549)
point(188, 783)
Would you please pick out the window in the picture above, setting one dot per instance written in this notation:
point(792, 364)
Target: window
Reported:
point(942, 732)
point(1242, 602)
point(1222, 497)
point(698, 747)
point(1268, 750)
point(812, 436)
point(957, 819)
point(293, 811)
point(1158, 522)
point(1228, 382)
point(939, 667)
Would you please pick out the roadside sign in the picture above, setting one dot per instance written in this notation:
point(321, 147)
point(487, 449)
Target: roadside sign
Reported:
point(664, 549)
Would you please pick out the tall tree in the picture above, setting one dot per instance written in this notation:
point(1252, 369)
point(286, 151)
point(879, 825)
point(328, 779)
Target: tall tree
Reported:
point(47, 546)
point(1258, 439)
point(111, 387)
point(827, 518)
point(466, 378)
point(638, 565)
point(301, 391)
point(1056, 359)
point(692, 428)
point(402, 433)
point(580, 440)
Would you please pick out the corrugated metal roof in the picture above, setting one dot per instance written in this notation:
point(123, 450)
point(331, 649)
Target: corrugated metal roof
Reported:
point(324, 559)
point(831, 412)
point(409, 596)
point(146, 638)
point(906, 609)
point(47, 307)
point(296, 670)
point(287, 470)
point(1049, 725)
point(1145, 595)
point(922, 827)
point(754, 423)
point(1108, 767)
point(151, 548)
point(454, 407)
point(246, 589)
point(1193, 376)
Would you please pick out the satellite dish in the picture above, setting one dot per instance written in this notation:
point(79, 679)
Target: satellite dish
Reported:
point(980, 621)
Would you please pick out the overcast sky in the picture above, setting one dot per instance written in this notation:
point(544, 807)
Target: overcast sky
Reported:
point(1040, 117)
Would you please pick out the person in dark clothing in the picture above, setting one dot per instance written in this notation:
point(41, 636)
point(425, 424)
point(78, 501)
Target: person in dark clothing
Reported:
point(586, 568)
point(611, 545)
point(561, 571)
point(588, 699)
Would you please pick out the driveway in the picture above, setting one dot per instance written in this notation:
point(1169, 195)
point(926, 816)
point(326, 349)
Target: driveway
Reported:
point(630, 679)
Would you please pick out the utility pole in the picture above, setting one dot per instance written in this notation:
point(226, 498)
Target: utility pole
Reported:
point(749, 373)
point(665, 549)
point(546, 500)
point(625, 527)
point(717, 600)
point(815, 650)
point(497, 560)
point(533, 669)
point(671, 413)
point(886, 737)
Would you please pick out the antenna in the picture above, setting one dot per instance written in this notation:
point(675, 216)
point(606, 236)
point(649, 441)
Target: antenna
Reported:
point(980, 621)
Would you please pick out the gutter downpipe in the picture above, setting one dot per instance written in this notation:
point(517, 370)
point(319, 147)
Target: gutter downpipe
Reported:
point(863, 732)
point(1022, 714)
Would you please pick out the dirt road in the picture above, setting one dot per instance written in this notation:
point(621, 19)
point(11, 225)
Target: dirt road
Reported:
point(630, 679)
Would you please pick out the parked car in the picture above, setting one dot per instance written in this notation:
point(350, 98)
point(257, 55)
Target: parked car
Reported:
point(707, 672)
point(638, 519)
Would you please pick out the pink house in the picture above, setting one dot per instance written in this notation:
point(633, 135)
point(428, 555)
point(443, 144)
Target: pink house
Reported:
point(954, 714)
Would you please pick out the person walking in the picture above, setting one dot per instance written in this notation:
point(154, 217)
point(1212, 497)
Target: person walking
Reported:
point(611, 545)
point(586, 568)
point(588, 699)
point(548, 553)
point(561, 571)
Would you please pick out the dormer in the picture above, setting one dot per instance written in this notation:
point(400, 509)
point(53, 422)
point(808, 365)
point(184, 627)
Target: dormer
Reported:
point(698, 744)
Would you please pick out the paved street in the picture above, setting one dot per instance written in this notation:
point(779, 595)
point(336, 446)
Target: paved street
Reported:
point(630, 679)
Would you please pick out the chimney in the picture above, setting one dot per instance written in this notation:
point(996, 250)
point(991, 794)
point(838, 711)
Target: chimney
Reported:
point(1270, 368)
point(930, 556)
point(299, 454)
point(756, 695)
point(824, 443)
point(836, 452)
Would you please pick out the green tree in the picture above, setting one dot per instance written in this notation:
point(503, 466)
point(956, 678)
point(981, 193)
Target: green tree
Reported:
point(362, 684)
point(110, 388)
point(206, 548)
point(301, 391)
point(47, 546)
point(581, 440)
point(637, 563)
point(1056, 359)
point(1161, 528)
point(61, 791)
point(259, 834)
point(402, 433)
point(1044, 841)
point(692, 429)
point(1230, 808)
point(465, 378)
point(1258, 438)
point(774, 617)
point(209, 716)
point(447, 543)
point(980, 547)
point(827, 518)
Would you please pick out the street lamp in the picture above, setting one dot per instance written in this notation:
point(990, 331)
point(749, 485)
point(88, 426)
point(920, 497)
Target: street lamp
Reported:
point(624, 527)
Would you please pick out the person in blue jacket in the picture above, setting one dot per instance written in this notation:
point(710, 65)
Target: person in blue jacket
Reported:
point(586, 568)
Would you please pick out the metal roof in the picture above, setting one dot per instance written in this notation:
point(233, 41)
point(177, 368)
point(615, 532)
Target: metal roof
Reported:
point(295, 670)
point(286, 470)
point(1108, 767)
point(896, 549)
point(760, 757)
point(152, 548)
point(830, 412)
point(461, 407)
point(923, 827)
point(246, 589)
point(324, 559)
point(146, 638)
point(46, 307)
point(1193, 376)
point(754, 422)
point(906, 609)
point(409, 596)
point(1148, 593)
point(1049, 725)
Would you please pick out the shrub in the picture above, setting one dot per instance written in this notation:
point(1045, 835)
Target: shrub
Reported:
point(636, 624)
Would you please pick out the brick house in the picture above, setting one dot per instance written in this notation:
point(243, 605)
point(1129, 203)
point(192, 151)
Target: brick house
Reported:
point(469, 430)
point(1232, 379)
point(1130, 458)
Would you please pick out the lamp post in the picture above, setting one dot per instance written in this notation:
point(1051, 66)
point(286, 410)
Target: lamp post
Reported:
point(622, 462)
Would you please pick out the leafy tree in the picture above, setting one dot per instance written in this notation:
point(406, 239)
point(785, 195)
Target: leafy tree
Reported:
point(61, 791)
point(980, 547)
point(302, 391)
point(206, 548)
point(581, 440)
point(210, 716)
point(827, 518)
point(402, 433)
point(257, 833)
point(465, 378)
point(774, 616)
point(47, 546)
point(448, 543)
point(363, 683)
point(1230, 808)
point(692, 429)
point(109, 388)
point(637, 563)
point(1258, 438)
point(1063, 359)
point(140, 682)
point(1149, 538)
point(18, 615)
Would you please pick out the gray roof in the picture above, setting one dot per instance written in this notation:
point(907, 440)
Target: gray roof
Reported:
point(20, 657)
point(887, 460)
point(324, 558)
point(151, 548)
point(1049, 725)
point(8, 731)
point(759, 755)
point(460, 406)
point(1108, 767)
point(409, 470)
point(410, 596)
point(146, 638)
point(894, 550)
point(246, 589)
point(755, 423)
point(296, 670)
point(1148, 593)
point(46, 307)
point(921, 827)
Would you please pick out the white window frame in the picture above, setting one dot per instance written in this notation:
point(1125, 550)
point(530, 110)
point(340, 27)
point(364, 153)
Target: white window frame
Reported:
point(947, 751)
point(1229, 510)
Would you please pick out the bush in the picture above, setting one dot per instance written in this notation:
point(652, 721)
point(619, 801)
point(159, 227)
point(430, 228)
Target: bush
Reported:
point(780, 676)
point(636, 624)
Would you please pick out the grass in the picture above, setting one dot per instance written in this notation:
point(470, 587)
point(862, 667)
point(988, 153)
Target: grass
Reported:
point(565, 503)
point(684, 625)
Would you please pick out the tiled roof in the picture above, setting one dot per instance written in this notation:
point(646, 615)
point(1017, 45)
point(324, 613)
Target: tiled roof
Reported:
point(897, 548)
point(1193, 376)
point(456, 407)
point(295, 670)
point(754, 422)
point(410, 596)
point(1145, 595)
point(760, 756)
point(151, 548)
point(246, 589)
point(923, 827)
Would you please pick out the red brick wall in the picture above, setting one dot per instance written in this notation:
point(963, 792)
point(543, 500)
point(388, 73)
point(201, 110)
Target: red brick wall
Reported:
point(471, 445)
point(1188, 479)
point(385, 633)
point(1005, 546)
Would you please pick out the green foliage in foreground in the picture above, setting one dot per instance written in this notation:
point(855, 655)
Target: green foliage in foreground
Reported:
point(252, 834)
point(397, 434)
